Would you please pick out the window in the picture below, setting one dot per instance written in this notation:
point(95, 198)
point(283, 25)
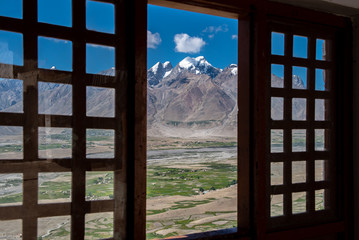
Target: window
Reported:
point(301, 149)
point(74, 164)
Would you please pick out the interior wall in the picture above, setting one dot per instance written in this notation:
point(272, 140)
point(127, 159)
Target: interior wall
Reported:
point(356, 122)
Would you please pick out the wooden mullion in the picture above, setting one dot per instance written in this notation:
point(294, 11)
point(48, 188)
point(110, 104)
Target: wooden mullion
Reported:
point(55, 31)
point(54, 121)
point(100, 123)
point(12, 213)
point(104, 81)
point(79, 114)
point(11, 24)
point(121, 107)
point(100, 38)
point(30, 98)
point(12, 119)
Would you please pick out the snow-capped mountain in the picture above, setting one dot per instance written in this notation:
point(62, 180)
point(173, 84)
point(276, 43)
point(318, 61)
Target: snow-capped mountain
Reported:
point(198, 65)
point(159, 71)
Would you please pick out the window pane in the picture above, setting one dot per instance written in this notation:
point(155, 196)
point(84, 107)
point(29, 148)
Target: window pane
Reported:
point(320, 170)
point(11, 186)
point(56, 12)
point(277, 43)
point(98, 225)
point(54, 228)
point(100, 102)
point(300, 46)
point(299, 142)
point(321, 110)
point(55, 142)
point(99, 185)
point(55, 99)
point(299, 202)
point(277, 76)
point(11, 95)
point(299, 78)
point(100, 16)
point(11, 8)
point(276, 173)
point(299, 109)
point(276, 141)
point(100, 143)
point(100, 59)
point(11, 143)
point(321, 141)
point(322, 50)
point(55, 54)
point(11, 229)
point(299, 171)
point(54, 187)
point(322, 80)
point(276, 204)
point(320, 199)
point(277, 108)
point(11, 48)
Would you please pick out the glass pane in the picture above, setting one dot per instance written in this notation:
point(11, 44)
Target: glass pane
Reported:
point(100, 102)
point(99, 185)
point(11, 143)
point(55, 54)
point(276, 169)
point(276, 205)
point(300, 46)
point(277, 108)
point(56, 12)
point(299, 78)
point(278, 43)
point(100, 59)
point(11, 48)
point(299, 171)
point(54, 187)
point(55, 98)
point(322, 80)
point(321, 110)
point(100, 16)
point(54, 228)
point(11, 229)
point(299, 202)
point(277, 76)
point(11, 8)
point(98, 225)
point(320, 199)
point(321, 50)
point(321, 142)
point(100, 143)
point(299, 143)
point(11, 95)
point(320, 168)
point(55, 142)
point(299, 109)
point(11, 186)
point(276, 141)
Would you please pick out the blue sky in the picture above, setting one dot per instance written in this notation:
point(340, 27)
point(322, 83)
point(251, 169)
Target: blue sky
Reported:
point(172, 35)
point(184, 33)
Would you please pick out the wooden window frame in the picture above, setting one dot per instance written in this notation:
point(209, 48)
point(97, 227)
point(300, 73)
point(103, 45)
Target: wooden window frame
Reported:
point(129, 165)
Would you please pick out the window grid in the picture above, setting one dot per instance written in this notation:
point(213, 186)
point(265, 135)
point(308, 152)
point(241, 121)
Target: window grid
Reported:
point(30, 210)
point(307, 153)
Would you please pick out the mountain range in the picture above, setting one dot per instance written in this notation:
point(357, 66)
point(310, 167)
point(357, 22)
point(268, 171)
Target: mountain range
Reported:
point(191, 99)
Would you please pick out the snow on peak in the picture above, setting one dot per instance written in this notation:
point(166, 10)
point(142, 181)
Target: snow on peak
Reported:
point(165, 64)
point(233, 65)
point(234, 70)
point(155, 67)
point(192, 63)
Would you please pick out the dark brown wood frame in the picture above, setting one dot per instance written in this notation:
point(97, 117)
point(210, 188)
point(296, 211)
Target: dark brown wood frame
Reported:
point(129, 204)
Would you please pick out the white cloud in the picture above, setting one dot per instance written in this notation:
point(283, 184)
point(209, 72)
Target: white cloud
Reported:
point(188, 44)
point(153, 39)
point(234, 36)
point(216, 29)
